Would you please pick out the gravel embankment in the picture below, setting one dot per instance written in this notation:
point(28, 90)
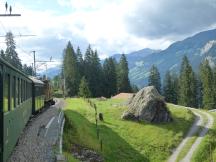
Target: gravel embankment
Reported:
point(39, 139)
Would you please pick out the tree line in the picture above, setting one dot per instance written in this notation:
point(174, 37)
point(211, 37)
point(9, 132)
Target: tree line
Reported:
point(86, 76)
point(11, 56)
point(188, 88)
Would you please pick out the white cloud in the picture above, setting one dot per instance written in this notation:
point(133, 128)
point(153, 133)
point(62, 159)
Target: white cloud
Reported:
point(102, 23)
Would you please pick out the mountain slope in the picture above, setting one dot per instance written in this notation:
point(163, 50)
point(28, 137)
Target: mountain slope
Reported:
point(196, 48)
point(134, 57)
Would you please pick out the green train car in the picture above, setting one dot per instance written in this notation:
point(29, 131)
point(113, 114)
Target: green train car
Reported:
point(20, 97)
point(38, 95)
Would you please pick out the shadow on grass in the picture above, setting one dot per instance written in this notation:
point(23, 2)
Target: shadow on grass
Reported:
point(78, 130)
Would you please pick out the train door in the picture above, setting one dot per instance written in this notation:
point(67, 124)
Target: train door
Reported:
point(1, 114)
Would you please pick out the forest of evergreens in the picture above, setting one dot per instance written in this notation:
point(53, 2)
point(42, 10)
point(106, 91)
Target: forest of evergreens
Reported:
point(188, 88)
point(86, 76)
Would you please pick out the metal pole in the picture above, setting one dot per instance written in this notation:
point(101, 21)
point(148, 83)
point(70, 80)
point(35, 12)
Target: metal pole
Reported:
point(46, 71)
point(34, 62)
point(32, 69)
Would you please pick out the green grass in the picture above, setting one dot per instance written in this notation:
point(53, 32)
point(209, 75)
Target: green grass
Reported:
point(123, 140)
point(207, 150)
point(69, 157)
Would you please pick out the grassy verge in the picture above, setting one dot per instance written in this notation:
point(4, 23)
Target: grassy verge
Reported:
point(123, 140)
point(207, 149)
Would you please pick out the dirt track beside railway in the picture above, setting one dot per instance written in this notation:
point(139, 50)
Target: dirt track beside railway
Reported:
point(39, 140)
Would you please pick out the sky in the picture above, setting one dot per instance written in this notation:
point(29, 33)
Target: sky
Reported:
point(110, 26)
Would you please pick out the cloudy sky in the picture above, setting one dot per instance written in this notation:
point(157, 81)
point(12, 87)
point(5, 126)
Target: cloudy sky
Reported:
point(110, 26)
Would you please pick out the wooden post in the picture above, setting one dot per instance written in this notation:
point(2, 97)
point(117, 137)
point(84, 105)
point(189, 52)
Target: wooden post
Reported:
point(98, 133)
point(101, 144)
point(96, 122)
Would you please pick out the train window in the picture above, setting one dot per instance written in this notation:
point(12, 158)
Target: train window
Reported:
point(13, 83)
point(21, 91)
point(23, 97)
point(26, 90)
point(18, 91)
point(6, 93)
point(20, 97)
point(29, 90)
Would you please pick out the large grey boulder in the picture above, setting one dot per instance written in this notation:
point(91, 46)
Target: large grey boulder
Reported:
point(147, 105)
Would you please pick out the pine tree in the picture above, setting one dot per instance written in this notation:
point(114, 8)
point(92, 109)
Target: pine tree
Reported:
point(28, 70)
point(175, 88)
point(80, 62)
point(11, 55)
point(87, 62)
point(199, 92)
point(206, 75)
point(170, 88)
point(84, 89)
point(96, 75)
point(93, 72)
point(2, 54)
point(70, 69)
point(187, 84)
point(123, 82)
point(110, 81)
point(154, 78)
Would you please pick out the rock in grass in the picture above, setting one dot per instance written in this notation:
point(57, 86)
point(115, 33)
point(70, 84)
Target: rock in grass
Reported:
point(147, 105)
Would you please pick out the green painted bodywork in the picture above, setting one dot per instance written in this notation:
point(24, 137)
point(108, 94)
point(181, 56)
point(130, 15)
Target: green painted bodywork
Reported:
point(14, 123)
point(13, 117)
point(39, 102)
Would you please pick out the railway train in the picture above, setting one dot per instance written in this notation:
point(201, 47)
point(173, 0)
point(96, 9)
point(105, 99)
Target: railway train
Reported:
point(21, 97)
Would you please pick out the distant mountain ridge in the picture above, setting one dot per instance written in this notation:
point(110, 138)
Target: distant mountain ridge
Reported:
point(133, 57)
point(196, 48)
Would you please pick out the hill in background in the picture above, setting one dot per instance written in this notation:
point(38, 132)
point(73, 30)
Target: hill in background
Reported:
point(196, 48)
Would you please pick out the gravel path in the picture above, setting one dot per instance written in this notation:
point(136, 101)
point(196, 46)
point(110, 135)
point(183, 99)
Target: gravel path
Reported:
point(203, 132)
point(193, 130)
point(40, 137)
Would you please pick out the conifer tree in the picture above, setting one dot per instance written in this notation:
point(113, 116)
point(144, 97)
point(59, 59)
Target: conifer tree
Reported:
point(123, 82)
point(170, 88)
point(70, 69)
point(80, 62)
point(206, 75)
point(93, 72)
point(154, 78)
point(175, 88)
point(199, 92)
point(187, 84)
point(96, 75)
point(110, 81)
point(28, 70)
point(2, 54)
point(84, 89)
point(11, 55)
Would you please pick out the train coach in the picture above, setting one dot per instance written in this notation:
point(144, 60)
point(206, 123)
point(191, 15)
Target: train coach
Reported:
point(20, 97)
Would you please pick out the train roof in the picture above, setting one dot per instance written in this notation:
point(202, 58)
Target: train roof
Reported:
point(35, 80)
point(12, 67)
